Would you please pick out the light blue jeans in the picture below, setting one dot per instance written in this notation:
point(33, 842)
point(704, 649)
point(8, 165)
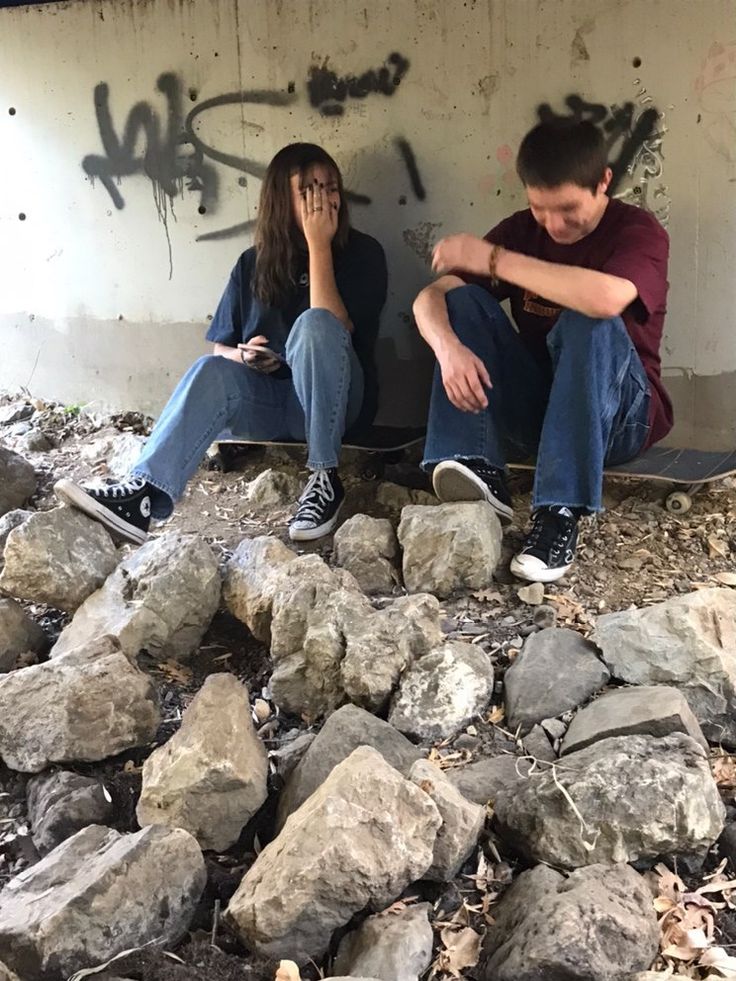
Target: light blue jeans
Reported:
point(220, 397)
point(584, 407)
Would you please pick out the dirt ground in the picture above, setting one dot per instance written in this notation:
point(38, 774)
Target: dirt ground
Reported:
point(634, 553)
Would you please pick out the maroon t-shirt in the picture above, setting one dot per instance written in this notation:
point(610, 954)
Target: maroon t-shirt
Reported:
point(627, 242)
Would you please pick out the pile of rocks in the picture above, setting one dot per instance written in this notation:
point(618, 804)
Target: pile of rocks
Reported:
point(606, 770)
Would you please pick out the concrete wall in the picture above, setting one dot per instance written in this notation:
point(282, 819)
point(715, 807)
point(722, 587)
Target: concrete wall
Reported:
point(134, 132)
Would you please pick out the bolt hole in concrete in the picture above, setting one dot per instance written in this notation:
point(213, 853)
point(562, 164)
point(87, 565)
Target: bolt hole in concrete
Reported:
point(11, 111)
point(193, 95)
point(202, 210)
point(22, 216)
point(636, 62)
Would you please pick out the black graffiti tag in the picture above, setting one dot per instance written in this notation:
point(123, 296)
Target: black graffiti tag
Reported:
point(620, 127)
point(328, 90)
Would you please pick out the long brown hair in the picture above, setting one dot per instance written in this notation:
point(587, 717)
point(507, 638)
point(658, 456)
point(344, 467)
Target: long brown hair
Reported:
point(277, 238)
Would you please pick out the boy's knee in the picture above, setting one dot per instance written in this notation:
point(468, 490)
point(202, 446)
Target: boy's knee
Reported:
point(471, 309)
point(577, 329)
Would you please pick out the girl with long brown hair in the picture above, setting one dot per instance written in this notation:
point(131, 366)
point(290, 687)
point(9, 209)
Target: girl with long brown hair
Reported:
point(294, 335)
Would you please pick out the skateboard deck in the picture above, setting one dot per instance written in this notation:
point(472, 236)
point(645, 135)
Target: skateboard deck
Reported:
point(693, 468)
point(377, 439)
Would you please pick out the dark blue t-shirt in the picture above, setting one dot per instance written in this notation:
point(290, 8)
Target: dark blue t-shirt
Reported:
point(361, 278)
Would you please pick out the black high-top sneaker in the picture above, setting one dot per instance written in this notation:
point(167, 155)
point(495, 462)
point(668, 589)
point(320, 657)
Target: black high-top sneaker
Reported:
point(473, 480)
point(319, 506)
point(549, 548)
point(123, 507)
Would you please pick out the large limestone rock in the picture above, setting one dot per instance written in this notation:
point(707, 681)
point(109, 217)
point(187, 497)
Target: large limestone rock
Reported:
point(442, 691)
point(381, 645)
point(556, 670)
point(449, 547)
point(256, 571)
point(7, 522)
point(88, 705)
point(391, 946)
point(210, 777)
point(57, 557)
point(328, 643)
point(652, 710)
point(273, 489)
point(17, 480)
point(343, 732)
point(357, 842)
point(61, 803)
point(18, 634)
point(6, 974)
point(97, 894)
point(161, 598)
point(623, 799)
point(688, 642)
point(462, 821)
point(597, 924)
point(367, 548)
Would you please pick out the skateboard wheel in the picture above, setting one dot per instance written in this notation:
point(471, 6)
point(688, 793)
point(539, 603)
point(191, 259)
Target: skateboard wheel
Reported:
point(678, 502)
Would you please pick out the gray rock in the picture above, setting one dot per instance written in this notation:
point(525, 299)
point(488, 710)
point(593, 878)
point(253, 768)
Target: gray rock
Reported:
point(343, 732)
point(15, 412)
point(210, 777)
point(649, 711)
point(688, 642)
point(161, 598)
point(60, 803)
point(442, 691)
point(489, 779)
point(357, 842)
point(7, 522)
point(556, 670)
point(97, 894)
point(380, 646)
point(449, 547)
point(273, 489)
point(87, 705)
point(462, 821)
point(18, 634)
point(119, 452)
point(57, 557)
point(36, 441)
point(289, 754)
point(390, 946)
point(367, 547)
point(6, 974)
point(639, 797)
point(533, 594)
point(17, 480)
point(537, 744)
point(596, 924)
point(395, 497)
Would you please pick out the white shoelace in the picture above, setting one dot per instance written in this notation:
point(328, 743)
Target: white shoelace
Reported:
point(318, 493)
point(123, 488)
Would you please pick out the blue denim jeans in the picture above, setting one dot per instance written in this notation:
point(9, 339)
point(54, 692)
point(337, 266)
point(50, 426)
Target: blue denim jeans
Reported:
point(583, 408)
point(219, 397)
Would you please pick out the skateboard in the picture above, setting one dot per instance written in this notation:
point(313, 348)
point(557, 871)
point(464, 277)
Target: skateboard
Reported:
point(691, 468)
point(379, 444)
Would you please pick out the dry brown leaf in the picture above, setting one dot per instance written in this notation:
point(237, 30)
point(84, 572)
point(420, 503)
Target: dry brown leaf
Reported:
point(288, 971)
point(726, 578)
point(717, 547)
point(176, 672)
point(496, 715)
point(462, 949)
point(723, 768)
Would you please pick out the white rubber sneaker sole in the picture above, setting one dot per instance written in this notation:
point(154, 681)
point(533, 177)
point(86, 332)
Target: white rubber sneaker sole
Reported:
point(532, 569)
point(308, 534)
point(70, 493)
point(453, 481)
